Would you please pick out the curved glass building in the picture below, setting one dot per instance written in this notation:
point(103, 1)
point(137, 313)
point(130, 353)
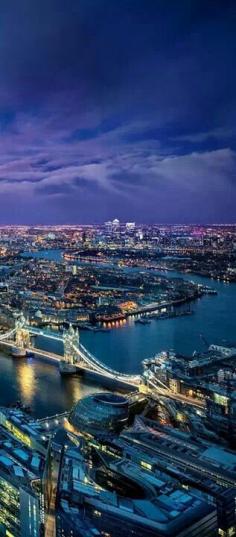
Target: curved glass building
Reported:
point(100, 412)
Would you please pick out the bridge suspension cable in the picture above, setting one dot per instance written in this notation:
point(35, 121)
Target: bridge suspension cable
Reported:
point(8, 334)
point(94, 362)
point(157, 383)
point(48, 335)
point(86, 356)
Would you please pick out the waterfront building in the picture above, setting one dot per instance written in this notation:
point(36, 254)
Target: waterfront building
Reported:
point(100, 412)
point(200, 379)
point(24, 429)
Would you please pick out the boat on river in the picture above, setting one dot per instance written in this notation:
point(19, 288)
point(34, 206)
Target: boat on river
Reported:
point(142, 320)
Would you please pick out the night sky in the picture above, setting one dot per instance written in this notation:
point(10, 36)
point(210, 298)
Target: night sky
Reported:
point(117, 108)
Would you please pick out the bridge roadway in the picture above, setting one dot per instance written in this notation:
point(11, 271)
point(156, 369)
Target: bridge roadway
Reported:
point(151, 389)
point(176, 397)
point(80, 366)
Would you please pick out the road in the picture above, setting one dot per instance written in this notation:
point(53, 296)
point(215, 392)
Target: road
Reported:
point(81, 366)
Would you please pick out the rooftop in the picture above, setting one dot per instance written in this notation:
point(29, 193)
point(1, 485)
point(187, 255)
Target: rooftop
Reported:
point(163, 506)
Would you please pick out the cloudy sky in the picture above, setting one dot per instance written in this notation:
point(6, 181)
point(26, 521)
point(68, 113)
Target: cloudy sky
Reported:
point(117, 108)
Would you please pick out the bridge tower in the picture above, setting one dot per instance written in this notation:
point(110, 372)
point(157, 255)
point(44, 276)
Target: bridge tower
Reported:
point(70, 340)
point(22, 337)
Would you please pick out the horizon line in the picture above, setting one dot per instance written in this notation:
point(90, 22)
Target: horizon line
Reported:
point(215, 224)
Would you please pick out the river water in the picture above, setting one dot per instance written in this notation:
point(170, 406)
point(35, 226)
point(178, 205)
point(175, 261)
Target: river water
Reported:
point(37, 383)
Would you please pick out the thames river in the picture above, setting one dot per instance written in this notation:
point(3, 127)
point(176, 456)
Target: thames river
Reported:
point(38, 383)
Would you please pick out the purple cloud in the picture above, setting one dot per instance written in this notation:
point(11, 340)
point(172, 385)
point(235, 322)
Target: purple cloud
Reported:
point(110, 109)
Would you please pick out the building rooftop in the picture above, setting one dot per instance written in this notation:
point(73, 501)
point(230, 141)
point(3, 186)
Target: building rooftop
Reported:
point(18, 461)
point(196, 455)
point(220, 457)
point(126, 490)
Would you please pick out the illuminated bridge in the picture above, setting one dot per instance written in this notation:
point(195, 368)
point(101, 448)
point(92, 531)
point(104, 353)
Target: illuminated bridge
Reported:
point(77, 355)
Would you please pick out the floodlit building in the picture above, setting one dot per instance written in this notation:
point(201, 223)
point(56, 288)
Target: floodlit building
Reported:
point(100, 412)
point(21, 498)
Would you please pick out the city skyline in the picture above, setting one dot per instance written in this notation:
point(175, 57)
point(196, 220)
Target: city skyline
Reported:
point(118, 392)
point(118, 268)
point(114, 109)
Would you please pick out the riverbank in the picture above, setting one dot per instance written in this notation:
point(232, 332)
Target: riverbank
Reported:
point(39, 384)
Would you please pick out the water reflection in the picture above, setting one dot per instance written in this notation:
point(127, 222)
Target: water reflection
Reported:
point(74, 388)
point(38, 384)
point(26, 381)
point(71, 388)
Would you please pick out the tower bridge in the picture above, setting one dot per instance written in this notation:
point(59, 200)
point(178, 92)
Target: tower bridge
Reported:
point(20, 337)
point(82, 360)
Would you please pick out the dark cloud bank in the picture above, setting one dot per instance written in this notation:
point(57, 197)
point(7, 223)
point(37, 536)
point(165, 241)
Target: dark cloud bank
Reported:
point(117, 108)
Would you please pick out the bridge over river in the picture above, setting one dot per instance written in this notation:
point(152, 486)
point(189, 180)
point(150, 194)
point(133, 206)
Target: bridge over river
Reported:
point(75, 354)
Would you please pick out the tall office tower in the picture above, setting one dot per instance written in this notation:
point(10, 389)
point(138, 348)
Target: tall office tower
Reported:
point(130, 226)
point(108, 226)
point(115, 224)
